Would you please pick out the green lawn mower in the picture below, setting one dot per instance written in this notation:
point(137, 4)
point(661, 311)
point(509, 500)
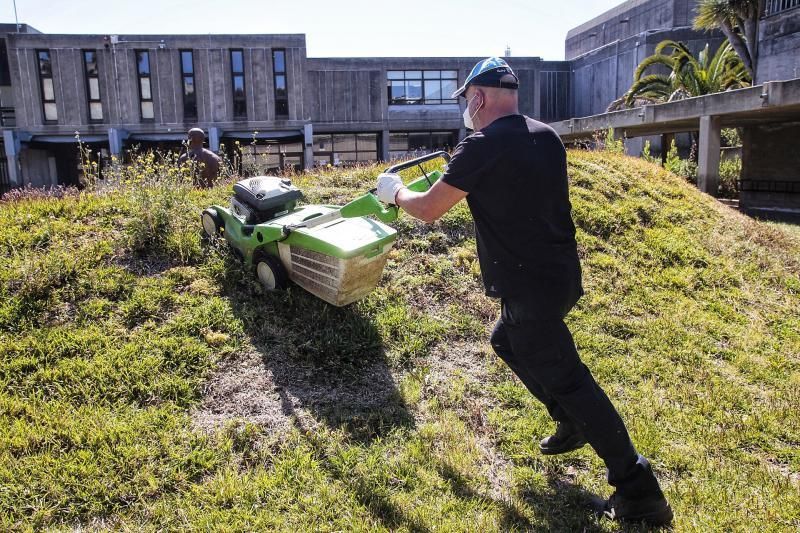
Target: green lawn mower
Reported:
point(336, 253)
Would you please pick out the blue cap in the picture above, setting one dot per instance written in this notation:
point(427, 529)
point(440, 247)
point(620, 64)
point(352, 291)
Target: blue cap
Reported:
point(488, 73)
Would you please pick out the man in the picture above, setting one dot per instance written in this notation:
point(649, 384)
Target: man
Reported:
point(205, 163)
point(513, 172)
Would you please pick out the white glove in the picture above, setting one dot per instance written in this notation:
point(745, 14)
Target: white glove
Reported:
point(388, 185)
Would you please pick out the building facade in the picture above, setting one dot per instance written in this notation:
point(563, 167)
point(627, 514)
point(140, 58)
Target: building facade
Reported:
point(605, 51)
point(262, 96)
point(260, 93)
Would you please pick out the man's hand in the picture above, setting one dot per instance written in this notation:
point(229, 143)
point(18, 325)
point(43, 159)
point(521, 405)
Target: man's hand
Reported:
point(388, 185)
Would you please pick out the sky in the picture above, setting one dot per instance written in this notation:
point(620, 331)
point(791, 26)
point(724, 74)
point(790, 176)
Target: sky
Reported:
point(334, 28)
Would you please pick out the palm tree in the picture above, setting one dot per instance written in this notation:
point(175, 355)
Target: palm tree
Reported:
point(738, 20)
point(687, 75)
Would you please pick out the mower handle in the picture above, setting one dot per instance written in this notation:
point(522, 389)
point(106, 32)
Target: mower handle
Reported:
point(415, 162)
point(418, 161)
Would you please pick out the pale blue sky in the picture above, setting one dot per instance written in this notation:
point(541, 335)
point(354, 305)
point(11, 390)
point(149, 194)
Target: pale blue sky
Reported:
point(334, 27)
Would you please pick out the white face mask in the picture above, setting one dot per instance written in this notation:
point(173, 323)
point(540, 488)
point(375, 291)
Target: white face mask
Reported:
point(468, 119)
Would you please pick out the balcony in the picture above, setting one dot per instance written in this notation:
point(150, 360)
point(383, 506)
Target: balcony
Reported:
point(773, 7)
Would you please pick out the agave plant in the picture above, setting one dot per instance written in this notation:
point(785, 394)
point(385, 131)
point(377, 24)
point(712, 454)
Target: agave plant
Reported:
point(687, 75)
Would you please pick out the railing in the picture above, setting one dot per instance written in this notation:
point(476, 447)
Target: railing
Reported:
point(773, 7)
point(777, 186)
point(8, 117)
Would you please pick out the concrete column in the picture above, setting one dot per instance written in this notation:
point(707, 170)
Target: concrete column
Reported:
point(537, 95)
point(385, 145)
point(12, 147)
point(634, 146)
point(708, 155)
point(666, 144)
point(115, 142)
point(308, 146)
point(213, 139)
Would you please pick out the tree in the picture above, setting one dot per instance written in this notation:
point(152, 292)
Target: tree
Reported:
point(687, 76)
point(738, 20)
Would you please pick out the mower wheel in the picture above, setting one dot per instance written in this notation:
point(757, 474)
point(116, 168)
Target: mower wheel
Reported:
point(212, 223)
point(271, 273)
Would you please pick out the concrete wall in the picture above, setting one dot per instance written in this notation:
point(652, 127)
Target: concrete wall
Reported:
point(605, 74)
point(627, 20)
point(605, 51)
point(779, 47)
point(770, 162)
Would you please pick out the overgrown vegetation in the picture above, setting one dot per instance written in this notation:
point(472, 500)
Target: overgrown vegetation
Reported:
point(111, 329)
point(730, 168)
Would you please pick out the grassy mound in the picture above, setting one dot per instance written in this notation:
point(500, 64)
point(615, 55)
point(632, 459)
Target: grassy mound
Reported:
point(147, 382)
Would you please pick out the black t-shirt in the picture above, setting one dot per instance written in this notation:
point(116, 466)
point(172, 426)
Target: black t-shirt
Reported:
point(515, 171)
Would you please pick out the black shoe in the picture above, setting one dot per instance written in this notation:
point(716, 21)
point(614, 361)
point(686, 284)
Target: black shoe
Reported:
point(653, 510)
point(566, 438)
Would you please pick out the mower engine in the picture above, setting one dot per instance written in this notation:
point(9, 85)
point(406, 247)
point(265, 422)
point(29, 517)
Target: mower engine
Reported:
point(263, 198)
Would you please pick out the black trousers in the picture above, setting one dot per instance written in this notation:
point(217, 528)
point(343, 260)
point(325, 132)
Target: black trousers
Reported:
point(541, 352)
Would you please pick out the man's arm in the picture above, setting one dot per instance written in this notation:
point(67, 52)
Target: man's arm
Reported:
point(431, 205)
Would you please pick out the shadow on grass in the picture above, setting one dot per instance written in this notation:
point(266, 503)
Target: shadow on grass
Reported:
point(330, 363)
point(322, 360)
point(563, 506)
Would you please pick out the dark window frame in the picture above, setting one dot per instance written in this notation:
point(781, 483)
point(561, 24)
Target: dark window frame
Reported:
point(429, 145)
point(355, 153)
point(139, 77)
point(87, 80)
point(189, 106)
point(281, 102)
point(242, 104)
point(42, 78)
point(422, 79)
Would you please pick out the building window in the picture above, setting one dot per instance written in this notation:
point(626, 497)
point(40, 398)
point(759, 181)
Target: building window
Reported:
point(189, 93)
point(279, 77)
point(421, 86)
point(46, 83)
point(237, 77)
point(403, 144)
point(145, 90)
point(92, 85)
point(345, 149)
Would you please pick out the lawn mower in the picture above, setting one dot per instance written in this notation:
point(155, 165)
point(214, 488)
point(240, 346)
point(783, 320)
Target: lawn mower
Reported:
point(336, 253)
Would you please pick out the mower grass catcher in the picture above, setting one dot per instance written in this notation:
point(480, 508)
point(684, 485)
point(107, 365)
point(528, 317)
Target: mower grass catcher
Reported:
point(335, 253)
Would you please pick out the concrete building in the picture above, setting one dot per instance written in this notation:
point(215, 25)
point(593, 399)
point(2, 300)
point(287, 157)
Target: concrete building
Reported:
point(605, 51)
point(261, 91)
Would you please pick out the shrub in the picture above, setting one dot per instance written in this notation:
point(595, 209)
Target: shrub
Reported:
point(686, 168)
point(729, 172)
point(646, 155)
point(158, 189)
point(611, 144)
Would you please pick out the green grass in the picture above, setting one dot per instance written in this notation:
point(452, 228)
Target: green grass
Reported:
point(109, 335)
